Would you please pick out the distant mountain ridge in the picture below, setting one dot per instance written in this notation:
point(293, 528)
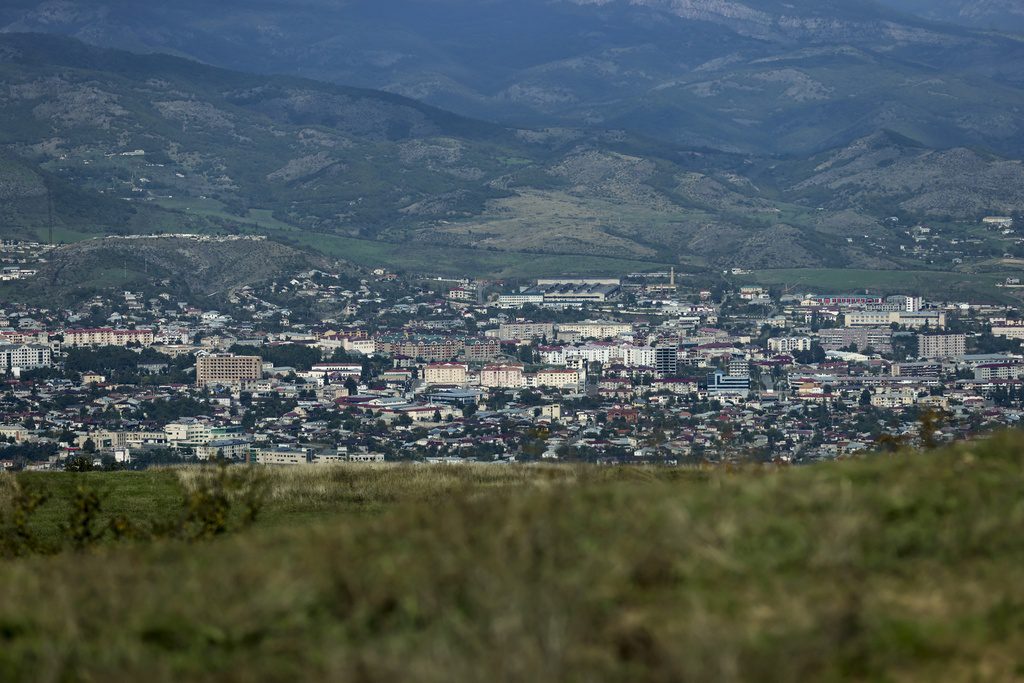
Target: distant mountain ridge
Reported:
point(751, 76)
point(126, 143)
point(999, 15)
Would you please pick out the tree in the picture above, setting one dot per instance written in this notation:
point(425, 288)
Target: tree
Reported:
point(78, 463)
point(525, 354)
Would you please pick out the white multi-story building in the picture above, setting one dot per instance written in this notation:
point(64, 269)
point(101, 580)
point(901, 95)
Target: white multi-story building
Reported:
point(629, 355)
point(789, 344)
point(901, 302)
point(231, 449)
point(187, 430)
point(24, 356)
point(990, 371)
point(518, 300)
point(453, 374)
point(751, 293)
point(637, 356)
point(895, 398)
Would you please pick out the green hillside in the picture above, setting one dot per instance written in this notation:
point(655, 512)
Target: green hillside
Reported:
point(102, 142)
point(889, 568)
point(761, 76)
point(165, 144)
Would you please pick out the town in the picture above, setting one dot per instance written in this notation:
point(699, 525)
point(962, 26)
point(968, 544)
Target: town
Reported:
point(639, 368)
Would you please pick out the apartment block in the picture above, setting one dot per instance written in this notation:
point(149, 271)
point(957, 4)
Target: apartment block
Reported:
point(666, 360)
point(559, 378)
point(789, 344)
point(913, 320)
point(24, 356)
point(502, 377)
point(596, 329)
point(106, 336)
point(525, 331)
point(878, 339)
point(227, 370)
point(941, 345)
point(445, 373)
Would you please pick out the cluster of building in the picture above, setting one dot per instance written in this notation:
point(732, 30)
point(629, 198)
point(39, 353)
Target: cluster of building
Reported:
point(324, 368)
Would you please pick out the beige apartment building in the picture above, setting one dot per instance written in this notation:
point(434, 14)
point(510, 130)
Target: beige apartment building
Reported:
point(941, 345)
point(105, 336)
point(445, 373)
point(558, 378)
point(914, 320)
point(226, 369)
point(502, 376)
point(597, 329)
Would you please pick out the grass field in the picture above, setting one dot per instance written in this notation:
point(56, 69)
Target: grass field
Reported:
point(444, 260)
point(891, 568)
point(255, 218)
point(975, 286)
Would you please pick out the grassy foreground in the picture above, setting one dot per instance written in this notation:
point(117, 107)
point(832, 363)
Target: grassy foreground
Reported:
point(901, 568)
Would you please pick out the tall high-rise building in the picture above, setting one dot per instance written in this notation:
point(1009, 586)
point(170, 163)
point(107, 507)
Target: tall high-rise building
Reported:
point(666, 360)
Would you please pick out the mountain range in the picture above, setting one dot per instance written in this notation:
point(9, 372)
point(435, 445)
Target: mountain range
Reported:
point(752, 76)
point(704, 133)
point(999, 15)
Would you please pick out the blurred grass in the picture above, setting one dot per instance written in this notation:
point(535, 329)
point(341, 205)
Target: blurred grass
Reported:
point(898, 568)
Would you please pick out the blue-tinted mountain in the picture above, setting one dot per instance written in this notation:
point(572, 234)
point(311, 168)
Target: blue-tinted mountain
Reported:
point(107, 141)
point(997, 15)
point(761, 76)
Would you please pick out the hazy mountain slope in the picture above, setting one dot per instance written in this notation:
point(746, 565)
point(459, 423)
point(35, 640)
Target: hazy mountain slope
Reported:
point(1001, 15)
point(298, 147)
point(127, 143)
point(757, 75)
point(188, 268)
point(186, 145)
point(883, 170)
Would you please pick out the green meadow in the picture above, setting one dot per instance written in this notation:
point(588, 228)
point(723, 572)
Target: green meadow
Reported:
point(905, 567)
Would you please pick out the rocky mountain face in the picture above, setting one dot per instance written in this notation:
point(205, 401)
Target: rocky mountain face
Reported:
point(881, 170)
point(115, 142)
point(753, 76)
point(998, 15)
